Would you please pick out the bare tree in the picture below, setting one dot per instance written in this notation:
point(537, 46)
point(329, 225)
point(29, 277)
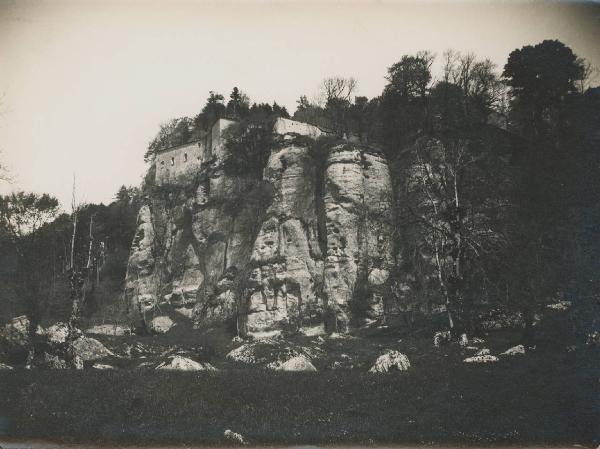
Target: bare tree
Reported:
point(337, 88)
point(590, 77)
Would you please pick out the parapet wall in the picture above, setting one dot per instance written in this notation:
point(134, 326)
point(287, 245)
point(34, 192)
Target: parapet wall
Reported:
point(173, 163)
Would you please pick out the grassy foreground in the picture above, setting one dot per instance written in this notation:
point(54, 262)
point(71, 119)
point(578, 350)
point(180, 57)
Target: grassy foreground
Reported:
point(539, 399)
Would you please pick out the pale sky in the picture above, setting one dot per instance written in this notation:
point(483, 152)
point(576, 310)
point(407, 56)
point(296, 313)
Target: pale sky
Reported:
point(84, 85)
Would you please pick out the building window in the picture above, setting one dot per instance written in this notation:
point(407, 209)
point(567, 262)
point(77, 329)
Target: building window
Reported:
point(184, 157)
point(172, 161)
point(162, 163)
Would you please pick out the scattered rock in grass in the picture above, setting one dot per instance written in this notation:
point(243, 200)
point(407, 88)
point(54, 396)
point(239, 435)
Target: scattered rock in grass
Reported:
point(391, 360)
point(481, 359)
point(5, 367)
point(234, 437)
point(90, 349)
point(179, 363)
point(560, 305)
point(519, 349)
point(115, 330)
point(593, 339)
point(464, 340)
point(161, 325)
point(441, 338)
point(472, 348)
point(483, 351)
point(237, 339)
point(102, 366)
point(477, 341)
point(298, 363)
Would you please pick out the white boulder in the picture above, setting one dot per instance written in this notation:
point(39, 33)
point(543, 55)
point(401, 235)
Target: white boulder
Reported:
point(109, 329)
point(519, 349)
point(90, 349)
point(481, 359)
point(58, 333)
point(298, 363)
point(391, 360)
point(560, 306)
point(179, 363)
point(161, 324)
point(5, 367)
point(234, 437)
point(483, 351)
point(102, 366)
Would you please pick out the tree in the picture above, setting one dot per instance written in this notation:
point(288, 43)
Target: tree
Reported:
point(404, 101)
point(337, 88)
point(457, 192)
point(540, 77)
point(238, 105)
point(22, 218)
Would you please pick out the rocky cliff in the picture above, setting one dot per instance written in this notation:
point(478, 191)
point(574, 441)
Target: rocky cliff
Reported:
point(307, 248)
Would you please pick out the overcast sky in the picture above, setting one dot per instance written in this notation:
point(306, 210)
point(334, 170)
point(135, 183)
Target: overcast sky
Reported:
point(85, 84)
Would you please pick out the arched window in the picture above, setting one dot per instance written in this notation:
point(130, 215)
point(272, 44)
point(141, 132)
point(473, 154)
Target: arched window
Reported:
point(184, 157)
point(172, 161)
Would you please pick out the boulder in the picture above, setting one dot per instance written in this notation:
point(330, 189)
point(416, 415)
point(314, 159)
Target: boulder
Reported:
point(441, 338)
point(5, 367)
point(57, 334)
point(102, 366)
point(90, 349)
point(234, 437)
point(483, 351)
point(16, 332)
point(481, 359)
point(243, 354)
point(109, 329)
point(391, 360)
point(560, 306)
point(161, 325)
point(179, 363)
point(519, 349)
point(298, 363)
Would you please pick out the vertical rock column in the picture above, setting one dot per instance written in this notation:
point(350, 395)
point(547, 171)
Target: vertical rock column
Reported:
point(286, 265)
point(358, 198)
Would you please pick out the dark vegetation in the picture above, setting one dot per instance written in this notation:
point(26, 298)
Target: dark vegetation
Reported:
point(35, 255)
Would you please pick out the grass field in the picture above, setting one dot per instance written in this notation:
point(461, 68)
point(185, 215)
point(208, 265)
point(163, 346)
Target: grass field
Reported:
point(544, 397)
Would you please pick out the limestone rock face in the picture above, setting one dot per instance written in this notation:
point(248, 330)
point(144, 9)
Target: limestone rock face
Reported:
point(309, 245)
point(358, 208)
point(286, 262)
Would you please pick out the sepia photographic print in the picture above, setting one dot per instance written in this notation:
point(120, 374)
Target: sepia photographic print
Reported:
point(299, 224)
